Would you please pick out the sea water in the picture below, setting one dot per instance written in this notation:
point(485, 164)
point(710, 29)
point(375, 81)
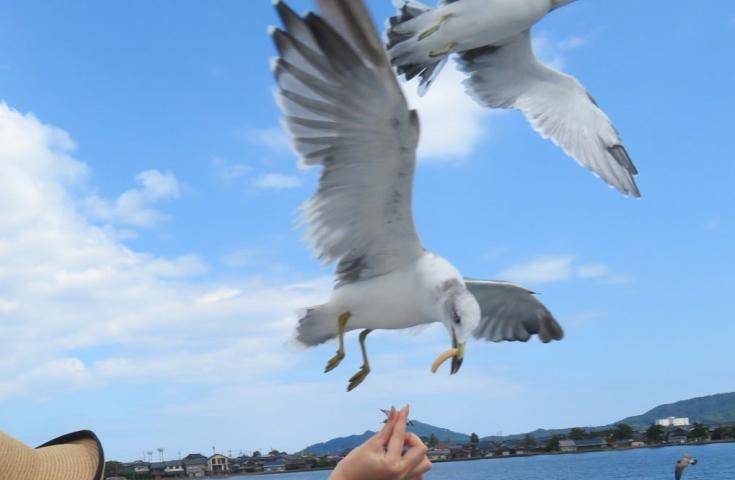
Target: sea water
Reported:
point(715, 462)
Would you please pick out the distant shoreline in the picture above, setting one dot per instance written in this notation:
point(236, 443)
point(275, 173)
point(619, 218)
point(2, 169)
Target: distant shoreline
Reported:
point(494, 457)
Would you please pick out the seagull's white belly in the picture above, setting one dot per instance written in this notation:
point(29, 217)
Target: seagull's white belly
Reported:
point(385, 302)
point(476, 23)
point(401, 299)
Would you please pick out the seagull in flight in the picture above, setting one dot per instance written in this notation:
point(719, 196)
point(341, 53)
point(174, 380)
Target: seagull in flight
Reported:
point(346, 113)
point(682, 464)
point(492, 39)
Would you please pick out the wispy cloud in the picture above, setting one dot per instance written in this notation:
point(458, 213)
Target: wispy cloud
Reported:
point(452, 124)
point(552, 51)
point(544, 269)
point(559, 268)
point(228, 171)
point(277, 181)
point(272, 138)
point(136, 207)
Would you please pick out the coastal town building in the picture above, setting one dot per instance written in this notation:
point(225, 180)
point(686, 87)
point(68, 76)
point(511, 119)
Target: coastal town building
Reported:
point(137, 467)
point(273, 466)
point(218, 464)
point(195, 465)
point(567, 446)
point(673, 422)
point(591, 444)
point(678, 435)
point(170, 468)
point(438, 454)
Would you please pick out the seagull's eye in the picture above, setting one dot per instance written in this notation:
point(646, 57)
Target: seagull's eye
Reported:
point(456, 318)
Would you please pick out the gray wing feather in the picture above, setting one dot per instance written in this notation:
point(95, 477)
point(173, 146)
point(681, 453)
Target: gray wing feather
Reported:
point(557, 106)
point(679, 470)
point(512, 313)
point(345, 112)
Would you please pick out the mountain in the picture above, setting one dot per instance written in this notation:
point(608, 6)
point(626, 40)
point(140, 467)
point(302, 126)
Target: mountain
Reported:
point(712, 409)
point(718, 408)
point(340, 444)
point(443, 434)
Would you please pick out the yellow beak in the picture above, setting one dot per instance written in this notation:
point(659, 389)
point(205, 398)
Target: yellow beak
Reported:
point(456, 353)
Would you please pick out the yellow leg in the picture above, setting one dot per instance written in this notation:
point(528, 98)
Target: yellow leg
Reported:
point(335, 360)
point(447, 49)
point(433, 29)
point(365, 369)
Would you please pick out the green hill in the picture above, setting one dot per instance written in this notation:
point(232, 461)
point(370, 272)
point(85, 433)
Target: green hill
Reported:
point(718, 408)
point(712, 409)
point(338, 445)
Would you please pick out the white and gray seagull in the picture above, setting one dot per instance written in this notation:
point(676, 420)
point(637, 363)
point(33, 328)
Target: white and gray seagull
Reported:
point(492, 39)
point(682, 465)
point(345, 110)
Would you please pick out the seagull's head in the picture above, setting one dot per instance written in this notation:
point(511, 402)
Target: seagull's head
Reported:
point(461, 315)
point(559, 3)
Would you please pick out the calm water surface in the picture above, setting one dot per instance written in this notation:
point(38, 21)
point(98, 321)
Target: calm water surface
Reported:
point(716, 462)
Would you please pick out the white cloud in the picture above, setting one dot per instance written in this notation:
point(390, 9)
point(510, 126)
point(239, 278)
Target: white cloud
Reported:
point(135, 207)
point(552, 51)
point(277, 181)
point(572, 43)
point(452, 124)
point(273, 138)
point(84, 311)
point(230, 171)
point(558, 268)
point(593, 270)
point(544, 269)
point(67, 285)
point(6, 306)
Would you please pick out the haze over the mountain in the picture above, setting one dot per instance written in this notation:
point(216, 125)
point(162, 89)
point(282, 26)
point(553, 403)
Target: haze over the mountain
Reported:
point(717, 408)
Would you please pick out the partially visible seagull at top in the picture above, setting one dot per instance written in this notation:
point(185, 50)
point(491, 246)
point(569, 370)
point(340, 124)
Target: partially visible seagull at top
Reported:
point(682, 464)
point(346, 112)
point(492, 39)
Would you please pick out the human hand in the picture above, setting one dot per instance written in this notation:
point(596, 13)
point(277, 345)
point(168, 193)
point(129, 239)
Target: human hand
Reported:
point(382, 457)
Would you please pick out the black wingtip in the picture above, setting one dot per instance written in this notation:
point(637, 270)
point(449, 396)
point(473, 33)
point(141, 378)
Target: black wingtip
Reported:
point(285, 12)
point(279, 38)
point(620, 154)
point(289, 18)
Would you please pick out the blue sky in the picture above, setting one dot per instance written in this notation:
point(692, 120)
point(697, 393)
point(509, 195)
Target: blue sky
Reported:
point(150, 271)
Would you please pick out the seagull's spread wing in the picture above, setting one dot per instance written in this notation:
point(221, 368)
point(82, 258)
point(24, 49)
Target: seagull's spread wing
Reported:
point(512, 313)
point(679, 469)
point(346, 112)
point(557, 106)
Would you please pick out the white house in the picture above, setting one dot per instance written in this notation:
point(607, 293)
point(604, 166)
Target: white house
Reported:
point(567, 446)
point(673, 422)
point(218, 463)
